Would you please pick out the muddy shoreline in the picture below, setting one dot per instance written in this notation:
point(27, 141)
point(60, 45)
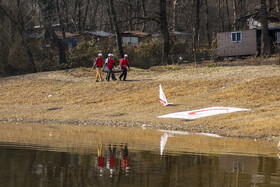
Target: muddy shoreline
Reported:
point(138, 124)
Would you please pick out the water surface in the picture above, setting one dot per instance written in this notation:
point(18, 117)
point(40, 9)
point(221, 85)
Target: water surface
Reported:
point(61, 155)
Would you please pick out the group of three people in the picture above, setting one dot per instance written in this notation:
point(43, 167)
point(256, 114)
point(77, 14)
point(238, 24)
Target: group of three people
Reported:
point(110, 64)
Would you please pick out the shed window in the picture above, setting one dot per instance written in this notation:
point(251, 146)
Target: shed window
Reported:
point(236, 36)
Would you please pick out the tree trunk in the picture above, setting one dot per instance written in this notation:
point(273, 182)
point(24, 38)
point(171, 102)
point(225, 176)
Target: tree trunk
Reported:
point(80, 16)
point(234, 15)
point(86, 15)
point(143, 4)
point(269, 5)
point(21, 29)
point(174, 12)
point(264, 29)
point(207, 24)
point(221, 16)
point(61, 43)
point(48, 8)
point(136, 14)
point(93, 17)
point(129, 10)
point(197, 19)
point(196, 24)
point(109, 16)
point(116, 28)
point(164, 31)
point(228, 16)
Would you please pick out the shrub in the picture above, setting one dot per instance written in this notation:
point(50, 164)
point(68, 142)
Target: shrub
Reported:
point(146, 54)
point(85, 52)
point(18, 61)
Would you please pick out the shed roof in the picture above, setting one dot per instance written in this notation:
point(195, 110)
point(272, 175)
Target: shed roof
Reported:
point(273, 26)
point(179, 33)
point(67, 34)
point(271, 16)
point(100, 33)
point(136, 33)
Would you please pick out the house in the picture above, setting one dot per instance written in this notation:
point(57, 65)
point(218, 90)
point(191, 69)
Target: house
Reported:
point(248, 42)
point(72, 39)
point(38, 33)
point(35, 38)
point(132, 38)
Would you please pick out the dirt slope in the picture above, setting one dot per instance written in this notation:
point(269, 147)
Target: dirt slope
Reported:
point(73, 96)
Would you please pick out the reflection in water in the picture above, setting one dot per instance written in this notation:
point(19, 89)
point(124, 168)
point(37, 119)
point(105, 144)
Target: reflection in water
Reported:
point(111, 159)
point(191, 133)
point(163, 140)
point(100, 161)
point(128, 157)
point(125, 159)
point(168, 133)
point(124, 167)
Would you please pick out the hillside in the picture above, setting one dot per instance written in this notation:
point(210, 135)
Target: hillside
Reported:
point(73, 97)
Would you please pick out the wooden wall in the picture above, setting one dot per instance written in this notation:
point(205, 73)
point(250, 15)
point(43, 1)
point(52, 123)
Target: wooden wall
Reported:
point(248, 45)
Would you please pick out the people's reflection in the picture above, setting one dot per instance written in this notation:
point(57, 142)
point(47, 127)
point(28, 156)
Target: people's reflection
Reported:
point(100, 160)
point(125, 159)
point(111, 159)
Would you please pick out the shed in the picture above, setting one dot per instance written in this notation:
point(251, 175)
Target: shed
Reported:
point(132, 38)
point(237, 43)
point(72, 39)
point(248, 42)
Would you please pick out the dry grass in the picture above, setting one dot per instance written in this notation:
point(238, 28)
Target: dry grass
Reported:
point(74, 95)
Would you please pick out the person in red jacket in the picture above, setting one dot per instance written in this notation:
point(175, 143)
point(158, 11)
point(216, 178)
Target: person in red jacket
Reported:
point(110, 65)
point(124, 64)
point(98, 64)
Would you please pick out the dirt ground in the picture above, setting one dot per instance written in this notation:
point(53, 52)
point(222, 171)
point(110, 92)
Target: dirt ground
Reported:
point(73, 97)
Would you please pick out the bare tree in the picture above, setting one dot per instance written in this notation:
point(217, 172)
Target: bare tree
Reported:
point(228, 16)
point(221, 16)
point(129, 10)
point(86, 14)
point(207, 24)
point(116, 27)
point(164, 30)
point(51, 10)
point(143, 4)
point(265, 35)
point(174, 11)
point(234, 8)
point(18, 21)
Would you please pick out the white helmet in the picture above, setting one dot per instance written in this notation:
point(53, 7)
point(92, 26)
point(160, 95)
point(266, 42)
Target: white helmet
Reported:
point(109, 54)
point(125, 55)
point(99, 54)
point(112, 54)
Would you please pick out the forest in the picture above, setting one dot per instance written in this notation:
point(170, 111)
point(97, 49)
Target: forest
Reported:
point(200, 20)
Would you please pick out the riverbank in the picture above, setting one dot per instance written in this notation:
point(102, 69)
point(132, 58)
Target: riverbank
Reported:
point(73, 97)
